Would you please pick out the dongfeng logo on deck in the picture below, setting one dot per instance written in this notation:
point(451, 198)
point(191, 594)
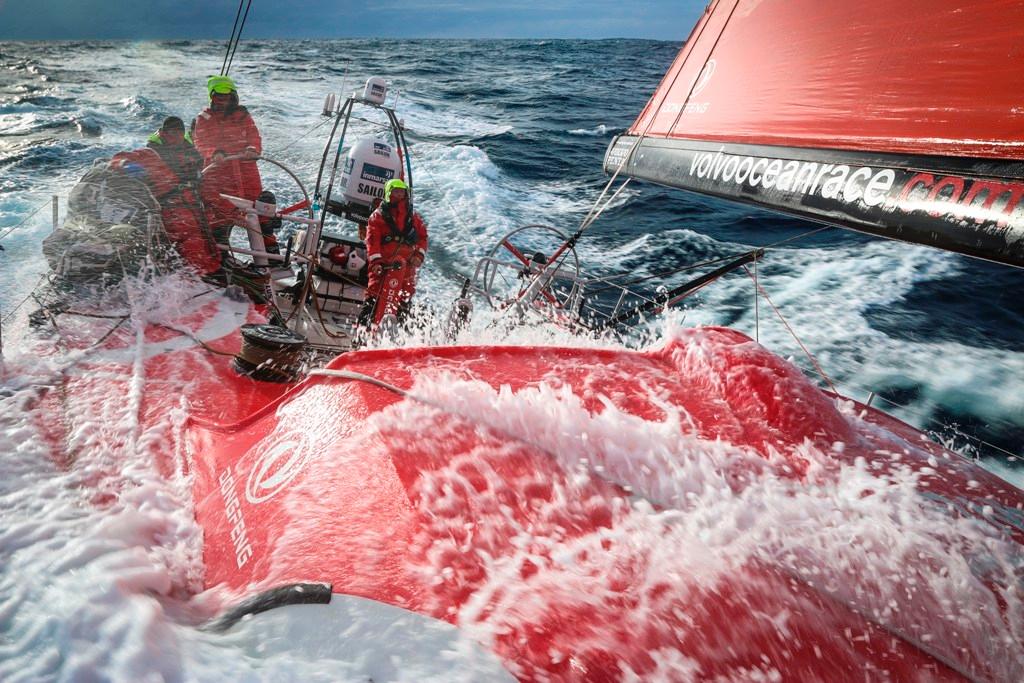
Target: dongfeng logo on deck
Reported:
point(274, 463)
point(705, 76)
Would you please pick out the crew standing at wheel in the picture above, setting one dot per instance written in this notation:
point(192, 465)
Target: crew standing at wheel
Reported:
point(396, 244)
point(226, 129)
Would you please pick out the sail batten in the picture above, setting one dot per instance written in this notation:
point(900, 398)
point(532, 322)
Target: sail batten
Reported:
point(903, 121)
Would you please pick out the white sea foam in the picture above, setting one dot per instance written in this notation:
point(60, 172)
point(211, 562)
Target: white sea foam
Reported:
point(600, 129)
point(871, 540)
point(450, 123)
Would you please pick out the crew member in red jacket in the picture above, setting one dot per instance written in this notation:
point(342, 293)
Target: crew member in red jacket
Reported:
point(396, 244)
point(170, 166)
point(225, 129)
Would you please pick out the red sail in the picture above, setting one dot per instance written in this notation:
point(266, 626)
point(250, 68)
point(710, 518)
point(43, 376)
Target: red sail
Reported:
point(901, 119)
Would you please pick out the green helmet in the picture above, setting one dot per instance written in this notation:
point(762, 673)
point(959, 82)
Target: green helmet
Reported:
point(395, 184)
point(220, 84)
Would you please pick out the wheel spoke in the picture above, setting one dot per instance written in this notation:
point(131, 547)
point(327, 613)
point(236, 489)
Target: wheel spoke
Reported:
point(515, 252)
point(529, 245)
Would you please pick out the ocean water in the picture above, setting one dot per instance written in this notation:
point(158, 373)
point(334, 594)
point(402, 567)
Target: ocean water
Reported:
point(503, 134)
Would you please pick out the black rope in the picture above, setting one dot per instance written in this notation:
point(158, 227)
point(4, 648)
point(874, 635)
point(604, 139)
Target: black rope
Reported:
point(197, 340)
point(231, 40)
point(238, 39)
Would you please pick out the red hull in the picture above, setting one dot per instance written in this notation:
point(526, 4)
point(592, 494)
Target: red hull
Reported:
point(450, 511)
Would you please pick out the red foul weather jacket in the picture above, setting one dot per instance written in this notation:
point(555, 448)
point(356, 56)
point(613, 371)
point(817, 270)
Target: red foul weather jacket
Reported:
point(171, 173)
point(393, 234)
point(229, 132)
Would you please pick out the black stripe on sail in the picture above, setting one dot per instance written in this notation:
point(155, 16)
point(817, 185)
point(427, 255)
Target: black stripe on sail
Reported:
point(970, 206)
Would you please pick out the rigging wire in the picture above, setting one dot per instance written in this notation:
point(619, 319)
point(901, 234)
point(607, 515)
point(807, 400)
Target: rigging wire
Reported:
point(661, 274)
point(239, 38)
point(921, 415)
point(10, 314)
point(591, 215)
point(711, 52)
point(231, 40)
point(710, 262)
point(300, 138)
point(587, 220)
point(785, 322)
point(236, 37)
point(757, 310)
point(926, 417)
point(25, 220)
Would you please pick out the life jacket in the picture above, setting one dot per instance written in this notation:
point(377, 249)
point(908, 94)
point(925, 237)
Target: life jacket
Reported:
point(406, 234)
point(181, 160)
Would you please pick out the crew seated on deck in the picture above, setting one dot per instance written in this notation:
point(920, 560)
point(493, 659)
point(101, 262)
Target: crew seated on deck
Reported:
point(170, 166)
point(396, 244)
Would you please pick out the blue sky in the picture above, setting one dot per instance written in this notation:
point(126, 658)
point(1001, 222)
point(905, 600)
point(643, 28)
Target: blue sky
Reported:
point(142, 19)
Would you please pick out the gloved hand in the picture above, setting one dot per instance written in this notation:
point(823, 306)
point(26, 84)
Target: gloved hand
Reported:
point(133, 170)
point(376, 269)
point(416, 260)
point(251, 153)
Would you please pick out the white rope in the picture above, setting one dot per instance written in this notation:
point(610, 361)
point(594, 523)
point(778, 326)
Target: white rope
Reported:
point(785, 322)
point(360, 377)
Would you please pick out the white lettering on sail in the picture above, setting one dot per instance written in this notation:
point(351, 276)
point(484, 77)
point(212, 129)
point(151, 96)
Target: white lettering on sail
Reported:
point(878, 187)
point(851, 185)
point(958, 198)
point(688, 108)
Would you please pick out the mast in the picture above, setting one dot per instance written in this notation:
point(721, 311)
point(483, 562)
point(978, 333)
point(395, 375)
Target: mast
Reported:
point(904, 121)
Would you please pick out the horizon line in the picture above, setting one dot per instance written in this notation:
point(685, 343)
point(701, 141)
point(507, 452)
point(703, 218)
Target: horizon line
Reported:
point(331, 38)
